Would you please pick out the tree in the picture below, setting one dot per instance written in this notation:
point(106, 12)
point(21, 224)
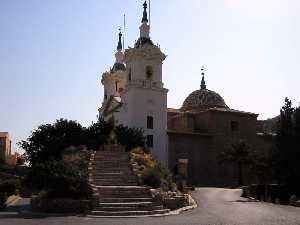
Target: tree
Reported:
point(48, 141)
point(98, 133)
point(237, 154)
point(261, 167)
point(284, 143)
point(130, 137)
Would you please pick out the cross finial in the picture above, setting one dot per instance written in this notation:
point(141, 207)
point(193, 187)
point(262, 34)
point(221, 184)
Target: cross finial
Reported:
point(203, 85)
point(145, 16)
point(120, 47)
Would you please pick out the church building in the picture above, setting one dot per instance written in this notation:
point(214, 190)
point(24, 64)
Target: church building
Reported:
point(135, 96)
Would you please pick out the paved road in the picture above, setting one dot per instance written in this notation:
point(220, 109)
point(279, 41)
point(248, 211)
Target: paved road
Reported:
point(216, 207)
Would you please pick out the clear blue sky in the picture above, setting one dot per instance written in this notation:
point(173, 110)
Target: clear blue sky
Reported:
point(53, 53)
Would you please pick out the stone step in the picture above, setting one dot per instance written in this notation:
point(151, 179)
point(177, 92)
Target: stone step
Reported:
point(127, 204)
point(101, 178)
point(111, 164)
point(123, 195)
point(110, 184)
point(114, 170)
point(123, 192)
point(112, 154)
point(117, 187)
point(101, 174)
point(117, 177)
point(115, 182)
point(130, 213)
point(126, 200)
point(100, 165)
point(123, 189)
point(111, 157)
point(128, 208)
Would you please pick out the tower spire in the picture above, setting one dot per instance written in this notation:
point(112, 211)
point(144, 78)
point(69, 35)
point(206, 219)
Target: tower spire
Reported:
point(145, 16)
point(203, 85)
point(120, 47)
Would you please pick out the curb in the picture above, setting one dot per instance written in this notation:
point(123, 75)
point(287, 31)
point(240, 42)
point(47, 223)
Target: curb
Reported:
point(193, 205)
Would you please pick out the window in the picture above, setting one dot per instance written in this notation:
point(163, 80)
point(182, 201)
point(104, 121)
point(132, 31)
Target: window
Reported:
point(1, 146)
point(116, 85)
point(234, 126)
point(149, 122)
point(149, 73)
point(150, 141)
point(129, 75)
point(105, 94)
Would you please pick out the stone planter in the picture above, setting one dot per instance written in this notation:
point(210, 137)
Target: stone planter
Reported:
point(170, 200)
point(175, 202)
point(59, 205)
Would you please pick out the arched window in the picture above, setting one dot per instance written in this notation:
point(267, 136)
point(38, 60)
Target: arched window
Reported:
point(129, 75)
point(105, 94)
point(116, 85)
point(149, 122)
point(149, 73)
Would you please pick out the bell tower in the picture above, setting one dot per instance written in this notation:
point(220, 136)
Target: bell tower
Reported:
point(114, 80)
point(145, 98)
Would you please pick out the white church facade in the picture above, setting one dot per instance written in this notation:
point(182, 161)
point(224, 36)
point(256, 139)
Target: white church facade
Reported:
point(134, 94)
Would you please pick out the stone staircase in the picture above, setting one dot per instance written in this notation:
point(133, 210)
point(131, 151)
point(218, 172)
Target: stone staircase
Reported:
point(118, 192)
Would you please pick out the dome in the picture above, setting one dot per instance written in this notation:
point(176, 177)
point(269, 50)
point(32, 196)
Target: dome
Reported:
point(203, 99)
point(118, 66)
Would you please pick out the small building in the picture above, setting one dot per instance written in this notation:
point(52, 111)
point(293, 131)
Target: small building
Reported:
point(6, 149)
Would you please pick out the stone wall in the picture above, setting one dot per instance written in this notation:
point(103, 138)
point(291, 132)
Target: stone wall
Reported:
point(196, 148)
point(44, 205)
point(201, 137)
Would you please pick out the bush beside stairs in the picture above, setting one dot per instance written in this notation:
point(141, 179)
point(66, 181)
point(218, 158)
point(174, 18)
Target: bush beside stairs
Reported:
point(117, 188)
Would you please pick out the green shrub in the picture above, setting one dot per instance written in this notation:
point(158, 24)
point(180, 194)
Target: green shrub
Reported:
point(151, 177)
point(48, 141)
point(151, 171)
point(138, 150)
point(130, 137)
point(10, 186)
point(60, 180)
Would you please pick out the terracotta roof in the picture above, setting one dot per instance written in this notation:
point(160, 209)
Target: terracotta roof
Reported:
point(173, 110)
point(231, 110)
point(189, 133)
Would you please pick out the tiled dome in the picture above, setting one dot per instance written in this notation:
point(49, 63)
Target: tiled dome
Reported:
point(203, 99)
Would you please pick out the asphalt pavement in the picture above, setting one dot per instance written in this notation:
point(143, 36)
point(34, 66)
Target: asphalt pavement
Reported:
point(216, 206)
